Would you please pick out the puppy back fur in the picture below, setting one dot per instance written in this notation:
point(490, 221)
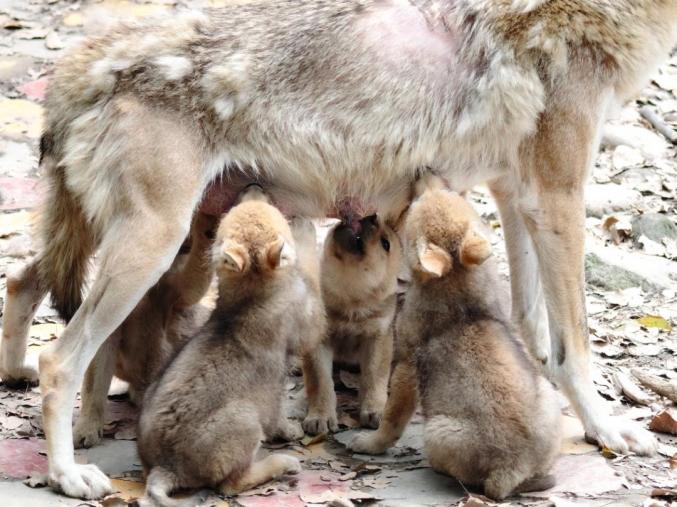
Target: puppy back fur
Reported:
point(491, 418)
point(203, 420)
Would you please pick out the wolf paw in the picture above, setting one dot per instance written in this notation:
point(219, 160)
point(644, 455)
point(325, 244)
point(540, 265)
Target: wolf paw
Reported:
point(81, 481)
point(622, 436)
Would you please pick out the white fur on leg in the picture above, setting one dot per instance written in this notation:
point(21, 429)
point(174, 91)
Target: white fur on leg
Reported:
point(615, 433)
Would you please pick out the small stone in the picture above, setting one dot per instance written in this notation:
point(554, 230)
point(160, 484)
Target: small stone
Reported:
point(74, 19)
point(654, 226)
point(604, 199)
point(53, 41)
point(608, 277)
point(625, 156)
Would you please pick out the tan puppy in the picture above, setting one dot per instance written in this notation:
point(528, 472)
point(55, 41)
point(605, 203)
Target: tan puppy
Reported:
point(359, 281)
point(491, 418)
point(203, 421)
point(160, 325)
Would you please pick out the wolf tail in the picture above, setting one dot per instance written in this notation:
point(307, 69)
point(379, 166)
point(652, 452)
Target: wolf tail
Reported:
point(68, 240)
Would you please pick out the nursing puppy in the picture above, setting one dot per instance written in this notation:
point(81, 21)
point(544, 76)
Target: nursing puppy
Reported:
point(359, 282)
point(158, 327)
point(490, 418)
point(203, 421)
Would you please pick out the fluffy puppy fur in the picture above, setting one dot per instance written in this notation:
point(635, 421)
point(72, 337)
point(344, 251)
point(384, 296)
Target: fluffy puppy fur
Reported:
point(203, 421)
point(359, 282)
point(158, 327)
point(491, 418)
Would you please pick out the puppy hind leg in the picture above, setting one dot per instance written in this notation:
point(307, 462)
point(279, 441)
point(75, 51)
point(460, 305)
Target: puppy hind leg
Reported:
point(25, 291)
point(269, 468)
point(88, 429)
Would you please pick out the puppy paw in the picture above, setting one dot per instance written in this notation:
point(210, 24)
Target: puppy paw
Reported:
point(289, 464)
point(622, 436)
point(80, 481)
point(316, 424)
point(368, 443)
point(87, 433)
point(370, 418)
point(290, 431)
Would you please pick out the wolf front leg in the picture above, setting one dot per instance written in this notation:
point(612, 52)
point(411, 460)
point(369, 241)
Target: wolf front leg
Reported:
point(554, 165)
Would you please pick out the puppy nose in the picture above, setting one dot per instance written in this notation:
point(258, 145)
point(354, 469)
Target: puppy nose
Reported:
point(348, 239)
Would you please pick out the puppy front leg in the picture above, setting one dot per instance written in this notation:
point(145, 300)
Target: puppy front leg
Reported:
point(288, 429)
point(319, 386)
point(375, 358)
point(399, 409)
point(192, 281)
point(88, 429)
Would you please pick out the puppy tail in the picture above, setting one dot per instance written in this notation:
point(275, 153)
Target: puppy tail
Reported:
point(159, 483)
point(66, 236)
point(536, 483)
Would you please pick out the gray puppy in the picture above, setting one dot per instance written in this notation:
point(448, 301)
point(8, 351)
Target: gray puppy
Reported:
point(203, 421)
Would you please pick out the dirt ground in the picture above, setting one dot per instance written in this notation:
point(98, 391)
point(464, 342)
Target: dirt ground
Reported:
point(631, 290)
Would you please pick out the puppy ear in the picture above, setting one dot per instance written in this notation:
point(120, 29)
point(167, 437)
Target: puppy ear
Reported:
point(474, 250)
point(235, 257)
point(433, 260)
point(280, 254)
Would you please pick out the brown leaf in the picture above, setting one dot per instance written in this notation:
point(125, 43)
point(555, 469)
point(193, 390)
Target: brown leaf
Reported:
point(664, 492)
point(673, 462)
point(664, 422)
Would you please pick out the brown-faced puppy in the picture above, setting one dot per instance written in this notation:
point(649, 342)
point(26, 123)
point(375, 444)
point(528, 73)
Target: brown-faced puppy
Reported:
point(359, 280)
point(149, 337)
point(203, 421)
point(491, 418)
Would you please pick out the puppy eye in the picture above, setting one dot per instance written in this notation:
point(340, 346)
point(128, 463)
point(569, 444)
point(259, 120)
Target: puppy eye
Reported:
point(385, 244)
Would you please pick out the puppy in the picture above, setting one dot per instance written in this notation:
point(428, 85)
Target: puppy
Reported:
point(490, 418)
point(359, 282)
point(159, 326)
point(203, 421)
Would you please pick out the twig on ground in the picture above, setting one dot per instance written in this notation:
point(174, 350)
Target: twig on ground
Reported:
point(663, 387)
point(659, 124)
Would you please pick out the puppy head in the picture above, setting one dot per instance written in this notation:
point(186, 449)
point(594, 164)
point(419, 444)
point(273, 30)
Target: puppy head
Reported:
point(366, 252)
point(443, 235)
point(253, 239)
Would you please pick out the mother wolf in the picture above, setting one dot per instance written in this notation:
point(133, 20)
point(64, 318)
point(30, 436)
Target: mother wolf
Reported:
point(328, 101)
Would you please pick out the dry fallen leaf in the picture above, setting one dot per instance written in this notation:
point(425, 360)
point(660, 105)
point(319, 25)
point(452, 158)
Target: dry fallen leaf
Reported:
point(664, 422)
point(655, 321)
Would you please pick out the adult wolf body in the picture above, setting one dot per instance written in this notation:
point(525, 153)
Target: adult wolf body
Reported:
point(325, 100)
